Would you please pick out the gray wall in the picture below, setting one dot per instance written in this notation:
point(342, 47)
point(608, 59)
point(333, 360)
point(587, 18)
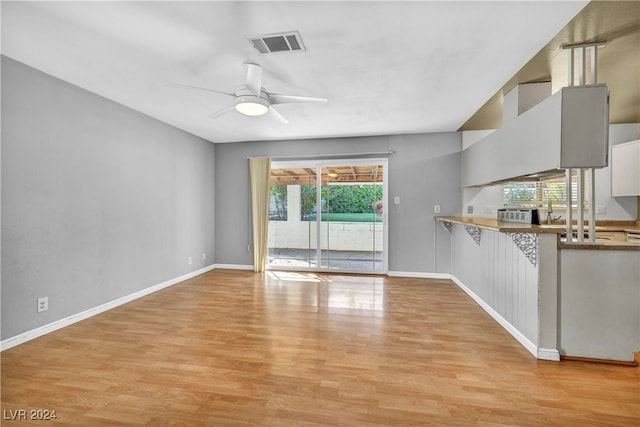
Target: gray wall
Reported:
point(98, 201)
point(425, 171)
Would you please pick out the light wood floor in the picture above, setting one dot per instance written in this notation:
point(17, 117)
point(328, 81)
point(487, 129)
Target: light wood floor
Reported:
point(232, 348)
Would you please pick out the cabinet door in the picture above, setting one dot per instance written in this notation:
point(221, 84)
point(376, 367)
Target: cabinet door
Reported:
point(625, 169)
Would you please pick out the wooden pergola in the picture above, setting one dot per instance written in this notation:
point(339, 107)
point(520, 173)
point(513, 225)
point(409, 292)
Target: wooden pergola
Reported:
point(331, 174)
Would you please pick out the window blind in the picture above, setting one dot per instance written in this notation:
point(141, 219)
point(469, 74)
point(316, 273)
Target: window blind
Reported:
point(539, 194)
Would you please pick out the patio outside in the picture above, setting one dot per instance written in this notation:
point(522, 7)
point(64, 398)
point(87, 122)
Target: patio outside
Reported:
point(351, 220)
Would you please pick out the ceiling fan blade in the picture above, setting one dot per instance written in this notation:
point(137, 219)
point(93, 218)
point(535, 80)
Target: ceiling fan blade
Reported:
point(200, 88)
point(277, 98)
point(254, 78)
point(221, 112)
point(275, 113)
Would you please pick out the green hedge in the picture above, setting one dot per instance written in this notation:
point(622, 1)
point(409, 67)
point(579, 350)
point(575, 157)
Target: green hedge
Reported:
point(341, 198)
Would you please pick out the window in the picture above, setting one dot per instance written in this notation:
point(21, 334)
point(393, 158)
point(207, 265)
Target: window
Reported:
point(278, 203)
point(541, 194)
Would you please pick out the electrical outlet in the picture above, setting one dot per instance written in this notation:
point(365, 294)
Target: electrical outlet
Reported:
point(436, 209)
point(396, 200)
point(601, 209)
point(190, 260)
point(470, 209)
point(204, 256)
point(488, 209)
point(43, 304)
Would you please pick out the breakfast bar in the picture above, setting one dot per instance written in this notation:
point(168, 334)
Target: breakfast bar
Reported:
point(559, 299)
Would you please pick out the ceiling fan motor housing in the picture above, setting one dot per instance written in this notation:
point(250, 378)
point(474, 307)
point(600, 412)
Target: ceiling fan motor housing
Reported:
point(251, 105)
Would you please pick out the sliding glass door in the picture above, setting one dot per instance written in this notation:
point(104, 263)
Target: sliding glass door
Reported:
point(292, 232)
point(352, 226)
point(328, 216)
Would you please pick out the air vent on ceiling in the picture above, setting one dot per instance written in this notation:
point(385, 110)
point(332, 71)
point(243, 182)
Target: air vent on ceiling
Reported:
point(289, 41)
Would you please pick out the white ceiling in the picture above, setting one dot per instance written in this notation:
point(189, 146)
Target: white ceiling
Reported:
point(386, 67)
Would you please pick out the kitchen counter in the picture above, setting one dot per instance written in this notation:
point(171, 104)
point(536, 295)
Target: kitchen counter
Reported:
point(513, 227)
point(557, 299)
point(501, 226)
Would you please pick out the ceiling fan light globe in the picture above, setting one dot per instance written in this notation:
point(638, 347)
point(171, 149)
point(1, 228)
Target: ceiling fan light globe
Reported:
point(252, 106)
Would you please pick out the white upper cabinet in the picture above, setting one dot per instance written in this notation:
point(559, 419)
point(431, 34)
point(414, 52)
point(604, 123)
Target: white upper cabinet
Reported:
point(569, 129)
point(625, 169)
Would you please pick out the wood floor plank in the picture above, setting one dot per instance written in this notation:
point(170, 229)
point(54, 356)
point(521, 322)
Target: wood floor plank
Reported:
point(236, 348)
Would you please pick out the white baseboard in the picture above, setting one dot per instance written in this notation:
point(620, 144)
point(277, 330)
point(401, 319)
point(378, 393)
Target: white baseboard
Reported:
point(548, 354)
point(414, 274)
point(234, 266)
point(526, 343)
point(540, 353)
point(59, 324)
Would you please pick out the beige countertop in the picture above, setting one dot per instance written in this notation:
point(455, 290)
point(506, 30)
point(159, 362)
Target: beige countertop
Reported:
point(511, 227)
point(501, 226)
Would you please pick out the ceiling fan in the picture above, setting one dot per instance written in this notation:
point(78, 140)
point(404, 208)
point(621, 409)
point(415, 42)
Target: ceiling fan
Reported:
point(252, 99)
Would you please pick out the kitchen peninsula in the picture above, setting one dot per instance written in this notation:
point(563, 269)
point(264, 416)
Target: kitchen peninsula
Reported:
point(557, 299)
